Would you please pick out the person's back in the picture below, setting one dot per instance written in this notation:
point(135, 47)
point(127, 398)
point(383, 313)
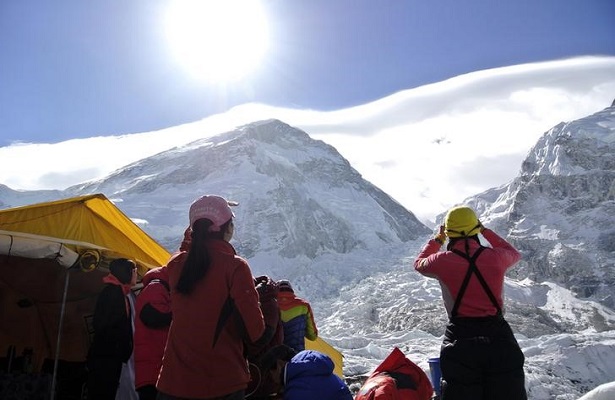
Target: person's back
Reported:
point(479, 356)
point(309, 376)
point(215, 309)
point(203, 332)
point(153, 318)
point(113, 335)
point(297, 317)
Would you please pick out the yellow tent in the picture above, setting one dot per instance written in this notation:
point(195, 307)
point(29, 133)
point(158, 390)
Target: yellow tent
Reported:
point(324, 347)
point(87, 222)
point(53, 256)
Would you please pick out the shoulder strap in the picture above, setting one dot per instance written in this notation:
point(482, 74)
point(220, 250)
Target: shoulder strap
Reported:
point(163, 283)
point(472, 269)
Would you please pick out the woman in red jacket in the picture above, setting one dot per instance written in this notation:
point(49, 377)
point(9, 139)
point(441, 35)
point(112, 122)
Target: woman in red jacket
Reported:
point(215, 308)
point(480, 358)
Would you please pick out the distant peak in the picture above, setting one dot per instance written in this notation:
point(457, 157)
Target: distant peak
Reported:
point(274, 131)
point(271, 121)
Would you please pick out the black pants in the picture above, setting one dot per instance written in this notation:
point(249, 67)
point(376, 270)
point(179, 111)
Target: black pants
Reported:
point(481, 360)
point(232, 396)
point(103, 378)
point(147, 392)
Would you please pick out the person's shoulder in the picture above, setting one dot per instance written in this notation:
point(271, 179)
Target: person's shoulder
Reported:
point(154, 287)
point(240, 262)
point(240, 259)
point(110, 294)
point(176, 260)
point(106, 291)
point(109, 288)
point(296, 301)
point(443, 256)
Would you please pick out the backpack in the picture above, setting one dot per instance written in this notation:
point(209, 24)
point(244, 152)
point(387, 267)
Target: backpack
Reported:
point(396, 378)
point(260, 382)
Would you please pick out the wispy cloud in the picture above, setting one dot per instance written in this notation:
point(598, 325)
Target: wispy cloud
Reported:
point(428, 147)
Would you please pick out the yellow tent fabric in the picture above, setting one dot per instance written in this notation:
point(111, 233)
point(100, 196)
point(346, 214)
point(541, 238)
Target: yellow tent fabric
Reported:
point(43, 286)
point(92, 221)
point(324, 347)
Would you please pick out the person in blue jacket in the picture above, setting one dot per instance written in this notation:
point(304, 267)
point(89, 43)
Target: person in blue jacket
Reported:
point(306, 375)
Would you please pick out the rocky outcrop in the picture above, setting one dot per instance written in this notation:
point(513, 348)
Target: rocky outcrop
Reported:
point(560, 210)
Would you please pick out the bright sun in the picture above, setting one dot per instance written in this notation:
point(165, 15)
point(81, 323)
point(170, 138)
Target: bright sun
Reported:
point(217, 40)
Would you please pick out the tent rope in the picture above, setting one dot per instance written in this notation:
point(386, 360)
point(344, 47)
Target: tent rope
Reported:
point(8, 254)
point(59, 252)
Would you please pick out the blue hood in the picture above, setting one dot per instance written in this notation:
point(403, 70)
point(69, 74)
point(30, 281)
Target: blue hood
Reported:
point(308, 363)
point(309, 376)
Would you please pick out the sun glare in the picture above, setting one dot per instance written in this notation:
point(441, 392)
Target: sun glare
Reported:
point(217, 40)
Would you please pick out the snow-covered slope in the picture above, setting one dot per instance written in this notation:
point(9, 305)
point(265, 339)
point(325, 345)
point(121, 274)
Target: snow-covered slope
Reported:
point(602, 392)
point(560, 210)
point(400, 308)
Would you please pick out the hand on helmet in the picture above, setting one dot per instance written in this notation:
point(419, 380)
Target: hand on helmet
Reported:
point(440, 237)
point(481, 226)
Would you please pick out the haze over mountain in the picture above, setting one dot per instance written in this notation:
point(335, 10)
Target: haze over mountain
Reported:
point(427, 147)
point(307, 215)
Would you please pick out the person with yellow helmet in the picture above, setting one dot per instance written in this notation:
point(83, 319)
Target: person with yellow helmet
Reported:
point(480, 357)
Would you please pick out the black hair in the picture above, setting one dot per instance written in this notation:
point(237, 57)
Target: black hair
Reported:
point(198, 259)
point(122, 268)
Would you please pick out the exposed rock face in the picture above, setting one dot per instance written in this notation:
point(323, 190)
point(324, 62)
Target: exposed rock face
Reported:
point(560, 211)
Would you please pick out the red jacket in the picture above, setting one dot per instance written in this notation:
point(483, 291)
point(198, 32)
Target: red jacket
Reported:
point(396, 378)
point(450, 269)
point(197, 363)
point(152, 320)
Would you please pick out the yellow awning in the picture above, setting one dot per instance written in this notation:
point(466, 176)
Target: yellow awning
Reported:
point(321, 346)
point(48, 294)
point(91, 221)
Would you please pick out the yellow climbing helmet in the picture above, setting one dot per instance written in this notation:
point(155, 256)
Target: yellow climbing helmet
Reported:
point(461, 222)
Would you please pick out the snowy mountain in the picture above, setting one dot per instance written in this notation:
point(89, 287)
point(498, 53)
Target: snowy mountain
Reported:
point(299, 199)
point(13, 198)
point(306, 214)
point(560, 210)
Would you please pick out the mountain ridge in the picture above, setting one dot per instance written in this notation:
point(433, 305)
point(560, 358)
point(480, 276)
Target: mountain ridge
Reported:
point(560, 210)
point(298, 196)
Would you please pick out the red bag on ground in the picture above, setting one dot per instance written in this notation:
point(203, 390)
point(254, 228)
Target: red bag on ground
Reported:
point(396, 378)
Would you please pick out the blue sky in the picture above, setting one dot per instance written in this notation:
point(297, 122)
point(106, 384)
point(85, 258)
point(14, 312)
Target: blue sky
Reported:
point(73, 68)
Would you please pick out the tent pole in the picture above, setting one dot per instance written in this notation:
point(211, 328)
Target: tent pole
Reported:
point(57, 355)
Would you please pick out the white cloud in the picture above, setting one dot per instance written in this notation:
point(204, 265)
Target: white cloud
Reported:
point(428, 147)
